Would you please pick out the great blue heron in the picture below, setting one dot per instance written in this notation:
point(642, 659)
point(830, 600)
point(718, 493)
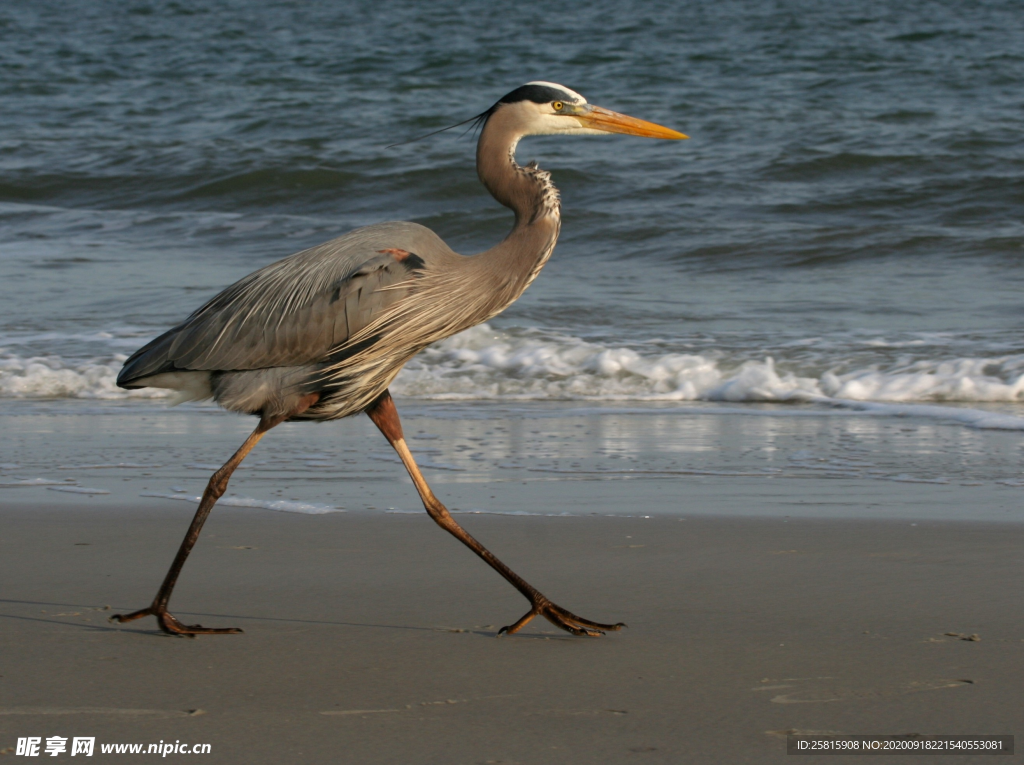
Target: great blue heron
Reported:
point(321, 334)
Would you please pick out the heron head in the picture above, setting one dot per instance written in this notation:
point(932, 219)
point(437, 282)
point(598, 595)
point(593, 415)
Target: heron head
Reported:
point(546, 108)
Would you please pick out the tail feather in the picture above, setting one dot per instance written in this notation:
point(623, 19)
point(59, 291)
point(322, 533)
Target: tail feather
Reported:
point(151, 359)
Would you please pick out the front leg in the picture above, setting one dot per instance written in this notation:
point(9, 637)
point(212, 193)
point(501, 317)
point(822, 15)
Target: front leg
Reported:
point(216, 487)
point(385, 417)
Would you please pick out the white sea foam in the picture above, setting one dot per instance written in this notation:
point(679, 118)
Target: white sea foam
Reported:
point(33, 482)
point(107, 466)
point(974, 418)
point(56, 377)
point(521, 513)
point(78, 490)
point(487, 363)
point(281, 505)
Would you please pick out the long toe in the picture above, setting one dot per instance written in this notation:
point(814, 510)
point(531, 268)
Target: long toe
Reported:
point(122, 618)
point(580, 621)
point(514, 628)
point(172, 626)
point(562, 619)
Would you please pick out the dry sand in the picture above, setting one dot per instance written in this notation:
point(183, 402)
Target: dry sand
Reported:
point(371, 638)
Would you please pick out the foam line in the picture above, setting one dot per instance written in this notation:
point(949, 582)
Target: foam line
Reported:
point(280, 505)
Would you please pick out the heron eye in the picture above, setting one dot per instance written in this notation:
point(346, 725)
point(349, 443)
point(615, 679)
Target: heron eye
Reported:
point(557, 106)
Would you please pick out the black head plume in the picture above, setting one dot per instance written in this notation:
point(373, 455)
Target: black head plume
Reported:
point(473, 122)
point(537, 92)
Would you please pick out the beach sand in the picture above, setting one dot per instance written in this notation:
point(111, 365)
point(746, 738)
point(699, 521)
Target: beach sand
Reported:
point(371, 638)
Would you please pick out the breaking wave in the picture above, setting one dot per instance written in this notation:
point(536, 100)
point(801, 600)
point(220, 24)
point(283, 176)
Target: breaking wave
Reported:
point(56, 377)
point(517, 364)
point(483, 363)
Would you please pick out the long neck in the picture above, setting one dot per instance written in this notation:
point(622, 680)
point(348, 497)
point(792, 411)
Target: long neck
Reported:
point(528, 191)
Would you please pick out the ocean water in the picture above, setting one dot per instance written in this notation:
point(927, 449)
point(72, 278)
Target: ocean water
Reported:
point(842, 230)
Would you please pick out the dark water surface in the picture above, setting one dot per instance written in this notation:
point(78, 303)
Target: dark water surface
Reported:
point(845, 222)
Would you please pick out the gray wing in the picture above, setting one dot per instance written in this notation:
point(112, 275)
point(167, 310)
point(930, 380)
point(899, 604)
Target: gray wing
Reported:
point(296, 310)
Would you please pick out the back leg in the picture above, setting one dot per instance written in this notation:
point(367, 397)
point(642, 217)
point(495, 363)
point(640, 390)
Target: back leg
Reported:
point(385, 417)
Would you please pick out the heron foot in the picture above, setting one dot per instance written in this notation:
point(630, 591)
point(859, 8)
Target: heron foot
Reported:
point(562, 619)
point(170, 624)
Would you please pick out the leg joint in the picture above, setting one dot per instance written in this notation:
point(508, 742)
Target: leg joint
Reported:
point(218, 483)
point(437, 511)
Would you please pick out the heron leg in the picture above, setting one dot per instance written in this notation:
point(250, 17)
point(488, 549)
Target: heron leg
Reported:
point(216, 487)
point(385, 417)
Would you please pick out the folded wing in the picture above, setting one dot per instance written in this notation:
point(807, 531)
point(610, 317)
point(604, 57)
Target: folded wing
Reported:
point(294, 311)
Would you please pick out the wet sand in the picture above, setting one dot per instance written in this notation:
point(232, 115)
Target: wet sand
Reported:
point(528, 458)
point(371, 638)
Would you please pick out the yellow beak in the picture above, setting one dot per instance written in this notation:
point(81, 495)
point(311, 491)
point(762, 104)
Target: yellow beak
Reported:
point(607, 121)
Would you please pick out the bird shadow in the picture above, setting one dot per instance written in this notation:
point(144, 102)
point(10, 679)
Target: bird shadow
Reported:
point(229, 617)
